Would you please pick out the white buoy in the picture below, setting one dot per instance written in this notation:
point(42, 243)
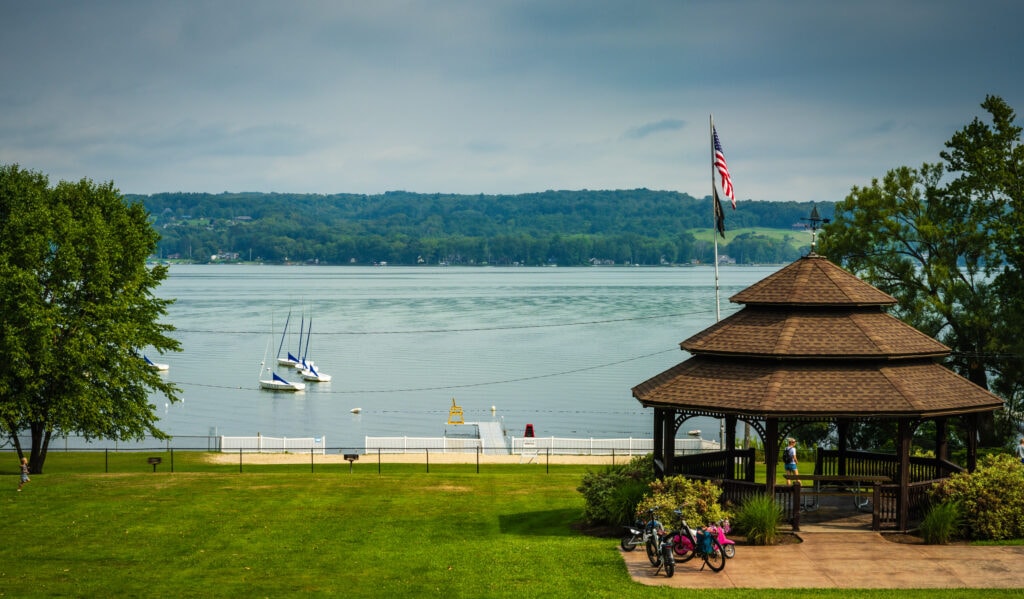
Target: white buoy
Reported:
point(493, 409)
point(356, 410)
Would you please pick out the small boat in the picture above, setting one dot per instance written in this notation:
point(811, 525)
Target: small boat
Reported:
point(156, 365)
point(290, 360)
point(276, 383)
point(307, 369)
point(311, 374)
point(302, 363)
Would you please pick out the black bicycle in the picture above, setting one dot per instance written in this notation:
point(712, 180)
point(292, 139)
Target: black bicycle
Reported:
point(639, 533)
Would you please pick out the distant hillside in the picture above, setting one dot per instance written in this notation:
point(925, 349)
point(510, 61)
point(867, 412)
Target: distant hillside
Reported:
point(568, 228)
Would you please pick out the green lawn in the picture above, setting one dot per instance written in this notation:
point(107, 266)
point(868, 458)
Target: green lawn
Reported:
point(284, 531)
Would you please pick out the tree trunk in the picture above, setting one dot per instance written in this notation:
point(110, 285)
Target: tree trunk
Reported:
point(40, 444)
point(987, 435)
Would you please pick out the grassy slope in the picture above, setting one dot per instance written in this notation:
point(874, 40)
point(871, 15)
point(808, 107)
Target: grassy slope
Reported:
point(796, 238)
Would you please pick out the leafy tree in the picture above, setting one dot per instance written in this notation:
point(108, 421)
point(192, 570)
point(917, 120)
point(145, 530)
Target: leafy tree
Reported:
point(76, 311)
point(936, 239)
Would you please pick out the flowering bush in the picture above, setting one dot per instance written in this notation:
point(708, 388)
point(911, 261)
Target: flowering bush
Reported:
point(991, 498)
point(698, 501)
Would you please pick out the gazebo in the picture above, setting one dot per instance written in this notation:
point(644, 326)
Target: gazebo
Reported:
point(813, 344)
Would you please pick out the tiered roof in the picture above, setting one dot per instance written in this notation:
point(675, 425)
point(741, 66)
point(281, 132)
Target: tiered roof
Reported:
point(813, 341)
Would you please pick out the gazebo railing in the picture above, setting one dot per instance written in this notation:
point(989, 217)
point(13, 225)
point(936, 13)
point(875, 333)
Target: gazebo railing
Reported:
point(737, 464)
point(882, 464)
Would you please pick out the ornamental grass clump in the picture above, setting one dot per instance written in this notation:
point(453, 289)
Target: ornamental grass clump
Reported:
point(758, 519)
point(942, 523)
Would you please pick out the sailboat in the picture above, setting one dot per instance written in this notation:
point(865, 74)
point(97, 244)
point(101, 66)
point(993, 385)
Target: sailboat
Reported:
point(277, 383)
point(308, 369)
point(290, 360)
point(156, 365)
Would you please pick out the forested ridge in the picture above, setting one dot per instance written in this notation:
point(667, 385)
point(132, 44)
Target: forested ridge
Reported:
point(567, 228)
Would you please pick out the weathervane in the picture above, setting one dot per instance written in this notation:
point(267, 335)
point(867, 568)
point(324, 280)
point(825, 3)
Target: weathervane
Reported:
point(815, 223)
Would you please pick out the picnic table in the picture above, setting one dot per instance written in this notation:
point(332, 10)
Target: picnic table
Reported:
point(858, 486)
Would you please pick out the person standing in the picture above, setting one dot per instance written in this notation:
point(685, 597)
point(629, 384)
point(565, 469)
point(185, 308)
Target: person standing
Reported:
point(24, 473)
point(1020, 450)
point(789, 458)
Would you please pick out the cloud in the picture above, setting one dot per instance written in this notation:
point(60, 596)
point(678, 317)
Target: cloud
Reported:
point(810, 98)
point(657, 127)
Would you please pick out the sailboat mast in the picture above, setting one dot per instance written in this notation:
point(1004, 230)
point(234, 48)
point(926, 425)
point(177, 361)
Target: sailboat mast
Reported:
point(308, 332)
point(283, 333)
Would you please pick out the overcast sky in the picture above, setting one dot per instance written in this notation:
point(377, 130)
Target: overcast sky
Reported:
point(493, 96)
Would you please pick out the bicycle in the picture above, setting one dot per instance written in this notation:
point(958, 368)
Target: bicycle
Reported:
point(660, 550)
point(653, 542)
point(689, 543)
point(639, 533)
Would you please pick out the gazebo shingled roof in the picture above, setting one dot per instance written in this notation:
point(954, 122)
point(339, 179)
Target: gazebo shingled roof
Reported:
point(812, 344)
point(801, 334)
point(815, 390)
point(812, 281)
point(812, 341)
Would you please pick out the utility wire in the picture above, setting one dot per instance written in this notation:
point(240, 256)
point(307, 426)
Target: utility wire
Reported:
point(448, 387)
point(466, 330)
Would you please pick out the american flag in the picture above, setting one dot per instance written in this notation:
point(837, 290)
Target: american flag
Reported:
point(723, 169)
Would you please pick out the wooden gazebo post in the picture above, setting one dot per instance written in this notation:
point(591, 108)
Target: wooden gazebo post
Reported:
point(941, 445)
point(729, 443)
point(771, 454)
point(842, 434)
point(904, 437)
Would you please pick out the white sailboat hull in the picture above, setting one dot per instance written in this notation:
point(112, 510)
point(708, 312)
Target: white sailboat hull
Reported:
point(281, 386)
point(316, 377)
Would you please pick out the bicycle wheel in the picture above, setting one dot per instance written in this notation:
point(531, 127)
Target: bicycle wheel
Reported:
point(629, 542)
point(652, 552)
point(670, 563)
point(683, 548)
point(716, 558)
point(730, 551)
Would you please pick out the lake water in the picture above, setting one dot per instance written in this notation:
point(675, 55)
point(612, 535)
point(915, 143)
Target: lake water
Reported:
point(559, 348)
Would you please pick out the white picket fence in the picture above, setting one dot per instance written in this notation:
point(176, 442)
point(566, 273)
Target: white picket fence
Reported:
point(533, 445)
point(264, 444)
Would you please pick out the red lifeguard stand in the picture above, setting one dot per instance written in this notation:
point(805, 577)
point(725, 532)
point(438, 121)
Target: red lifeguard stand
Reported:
point(529, 431)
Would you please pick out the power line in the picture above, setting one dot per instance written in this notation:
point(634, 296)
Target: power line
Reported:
point(450, 387)
point(466, 330)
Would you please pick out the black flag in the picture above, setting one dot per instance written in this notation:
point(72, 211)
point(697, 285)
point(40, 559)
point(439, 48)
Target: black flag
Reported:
point(719, 215)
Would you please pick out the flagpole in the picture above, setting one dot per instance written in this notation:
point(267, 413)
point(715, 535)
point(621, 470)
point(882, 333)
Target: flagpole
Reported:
point(714, 217)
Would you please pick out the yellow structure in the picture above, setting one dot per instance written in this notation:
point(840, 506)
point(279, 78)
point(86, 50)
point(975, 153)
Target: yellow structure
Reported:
point(455, 414)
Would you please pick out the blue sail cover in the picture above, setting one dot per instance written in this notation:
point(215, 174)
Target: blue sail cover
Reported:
point(148, 361)
point(292, 358)
point(280, 380)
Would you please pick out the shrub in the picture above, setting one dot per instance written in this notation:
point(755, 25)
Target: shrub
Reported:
point(611, 495)
point(991, 498)
point(698, 501)
point(758, 519)
point(942, 523)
